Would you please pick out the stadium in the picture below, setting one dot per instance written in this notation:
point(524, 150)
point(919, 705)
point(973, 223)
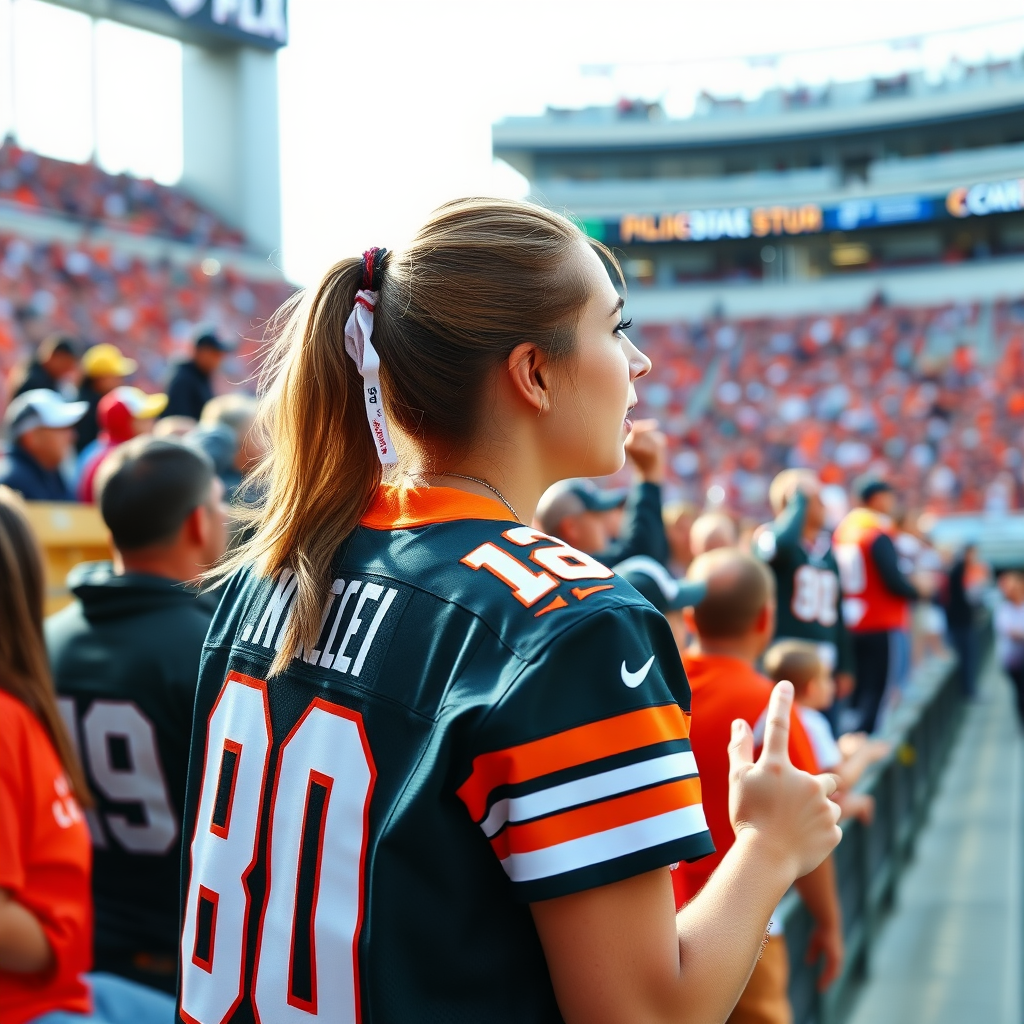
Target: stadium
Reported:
point(503, 634)
point(781, 250)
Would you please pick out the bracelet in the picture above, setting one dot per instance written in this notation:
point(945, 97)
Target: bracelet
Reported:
point(764, 941)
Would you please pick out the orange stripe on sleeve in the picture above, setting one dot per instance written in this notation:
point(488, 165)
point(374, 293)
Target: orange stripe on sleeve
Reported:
point(585, 821)
point(567, 749)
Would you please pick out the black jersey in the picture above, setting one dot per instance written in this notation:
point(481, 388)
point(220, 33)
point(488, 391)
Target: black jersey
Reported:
point(125, 658)
point(809, 596)
point(488, 718)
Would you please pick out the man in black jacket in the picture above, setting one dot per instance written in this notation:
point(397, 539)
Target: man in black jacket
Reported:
point(53, 367)
point(191, 386)
point(125, 658)
point(577, 511)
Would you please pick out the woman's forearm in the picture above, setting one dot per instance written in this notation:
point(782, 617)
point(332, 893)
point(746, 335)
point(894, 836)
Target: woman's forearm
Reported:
point(24, 947)
point(722, 928)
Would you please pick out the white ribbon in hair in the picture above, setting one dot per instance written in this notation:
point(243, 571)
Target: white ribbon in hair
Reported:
point(358, 331)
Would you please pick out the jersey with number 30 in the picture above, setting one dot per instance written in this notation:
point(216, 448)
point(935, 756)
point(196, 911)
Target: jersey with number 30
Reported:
point(488, 718)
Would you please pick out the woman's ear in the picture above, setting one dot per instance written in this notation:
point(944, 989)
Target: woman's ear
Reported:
point(528, 375)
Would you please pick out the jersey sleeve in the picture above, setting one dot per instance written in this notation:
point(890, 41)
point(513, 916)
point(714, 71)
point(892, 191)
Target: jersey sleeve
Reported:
point(584, 774)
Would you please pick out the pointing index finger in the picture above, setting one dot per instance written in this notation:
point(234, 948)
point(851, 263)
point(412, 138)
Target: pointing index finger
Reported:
point(776, 729)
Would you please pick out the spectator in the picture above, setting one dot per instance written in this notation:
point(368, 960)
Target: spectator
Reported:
point(1009, 629)
point(40, 426)
point(126, 655)
point(53, 367)
point(236, 412)
point(877, 596)
point(712, 530)
point(574, 509)
point(799, 551)
point(174, 426)
point(191, 386)
point(124, 413)
point(801, 663)
point(45, 912)
point(961, 602)
point(679, 517)
point(733, 625)
point(104, 368)
point(669, 595)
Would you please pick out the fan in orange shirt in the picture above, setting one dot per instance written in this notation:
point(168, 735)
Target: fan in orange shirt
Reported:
point(45, 859)
point(732, 625)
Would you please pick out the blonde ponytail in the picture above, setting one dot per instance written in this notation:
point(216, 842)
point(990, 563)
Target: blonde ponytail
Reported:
point(322, 468)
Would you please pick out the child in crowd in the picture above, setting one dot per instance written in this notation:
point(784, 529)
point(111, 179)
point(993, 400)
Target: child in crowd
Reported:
point(815, 690)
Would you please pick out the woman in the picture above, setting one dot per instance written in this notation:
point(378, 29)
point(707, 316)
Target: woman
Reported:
point(440, 765)
point(45, 900)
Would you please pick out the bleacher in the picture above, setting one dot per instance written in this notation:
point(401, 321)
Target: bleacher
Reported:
point(932, 395)
point(98, 286)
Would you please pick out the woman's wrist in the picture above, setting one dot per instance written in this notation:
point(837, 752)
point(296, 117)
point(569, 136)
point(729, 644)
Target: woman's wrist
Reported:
point(776, 863)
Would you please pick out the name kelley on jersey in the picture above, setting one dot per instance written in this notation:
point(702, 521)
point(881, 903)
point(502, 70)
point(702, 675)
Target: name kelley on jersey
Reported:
point(353, 614)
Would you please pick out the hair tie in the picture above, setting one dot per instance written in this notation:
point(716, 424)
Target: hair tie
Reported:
point(359, 346)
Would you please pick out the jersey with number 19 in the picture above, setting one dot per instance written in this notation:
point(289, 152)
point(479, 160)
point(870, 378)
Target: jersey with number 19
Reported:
point(488, 718)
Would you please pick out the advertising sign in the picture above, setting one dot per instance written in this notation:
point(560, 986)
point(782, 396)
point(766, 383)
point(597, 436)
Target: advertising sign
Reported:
point(710, 225)
point(986, 197)
point(257, 23)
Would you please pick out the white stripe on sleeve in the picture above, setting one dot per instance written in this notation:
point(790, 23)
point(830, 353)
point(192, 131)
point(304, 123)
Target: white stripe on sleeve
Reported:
point(593, 787)
point(603, 846)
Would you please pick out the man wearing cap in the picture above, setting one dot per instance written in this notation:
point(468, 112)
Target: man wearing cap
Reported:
point(104, 367)
point(40, 425)
point(191, 386)
point(122, 414)
point(876, 594)
point(576, 511)
point(53, 367)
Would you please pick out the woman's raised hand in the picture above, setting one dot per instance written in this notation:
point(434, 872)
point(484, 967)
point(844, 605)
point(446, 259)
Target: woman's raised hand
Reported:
point(787, 811)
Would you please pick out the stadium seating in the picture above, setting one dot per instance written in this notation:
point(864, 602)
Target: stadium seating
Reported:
point(86, 192)
point(99, 291)
point(931, 396)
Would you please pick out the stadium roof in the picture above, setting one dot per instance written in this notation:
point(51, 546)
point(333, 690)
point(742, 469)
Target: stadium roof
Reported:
point(851, 108)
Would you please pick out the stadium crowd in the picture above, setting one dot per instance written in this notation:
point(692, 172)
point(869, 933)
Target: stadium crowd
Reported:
point(931, 396)
point(86, 192)
point(758, 584)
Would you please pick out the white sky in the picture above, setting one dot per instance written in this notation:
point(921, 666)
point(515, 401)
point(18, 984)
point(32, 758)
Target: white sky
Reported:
point(386, 107)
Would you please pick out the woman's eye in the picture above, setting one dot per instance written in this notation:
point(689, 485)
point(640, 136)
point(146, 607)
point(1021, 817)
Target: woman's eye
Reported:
point(624, 325)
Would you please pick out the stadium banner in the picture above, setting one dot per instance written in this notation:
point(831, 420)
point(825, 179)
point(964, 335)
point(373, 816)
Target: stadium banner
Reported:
point(987, 197)
point(262, 24)
point(780, 220)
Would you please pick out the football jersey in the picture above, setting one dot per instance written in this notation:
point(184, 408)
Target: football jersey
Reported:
point(487, 718)
point(125, 659)
point(808, 593)
point(869, 605)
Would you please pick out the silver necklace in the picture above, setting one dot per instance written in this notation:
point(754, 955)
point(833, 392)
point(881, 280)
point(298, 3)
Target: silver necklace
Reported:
point(484, 483)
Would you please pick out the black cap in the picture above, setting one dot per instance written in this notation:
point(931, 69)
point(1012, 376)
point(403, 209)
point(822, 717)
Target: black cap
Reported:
point(867, 487)
point(210, 340)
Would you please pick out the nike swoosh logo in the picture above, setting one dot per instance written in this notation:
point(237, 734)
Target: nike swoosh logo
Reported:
point(634, 679)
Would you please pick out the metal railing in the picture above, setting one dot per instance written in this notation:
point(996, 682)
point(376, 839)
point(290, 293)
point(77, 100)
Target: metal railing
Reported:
point(871, 859)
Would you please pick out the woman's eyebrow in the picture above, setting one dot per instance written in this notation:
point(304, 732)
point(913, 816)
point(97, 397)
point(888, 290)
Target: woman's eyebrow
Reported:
point(618, 306)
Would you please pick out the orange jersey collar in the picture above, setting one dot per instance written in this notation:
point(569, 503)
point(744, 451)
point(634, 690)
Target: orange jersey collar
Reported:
point(402, 508)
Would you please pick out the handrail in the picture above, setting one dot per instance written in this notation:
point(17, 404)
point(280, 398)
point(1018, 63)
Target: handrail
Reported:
point(870, 860)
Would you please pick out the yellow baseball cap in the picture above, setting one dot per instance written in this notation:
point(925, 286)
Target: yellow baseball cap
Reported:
point(107, 361)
